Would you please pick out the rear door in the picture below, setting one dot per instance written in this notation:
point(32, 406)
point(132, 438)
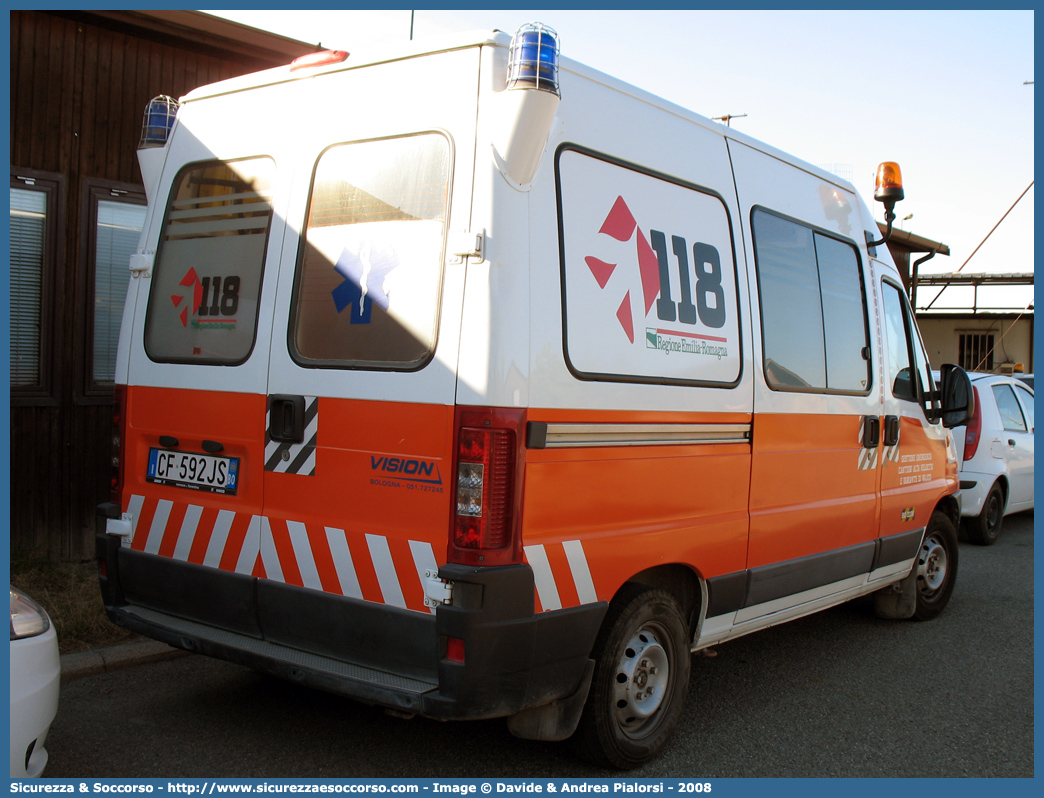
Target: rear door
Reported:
point(360, 403)
point(198, 361)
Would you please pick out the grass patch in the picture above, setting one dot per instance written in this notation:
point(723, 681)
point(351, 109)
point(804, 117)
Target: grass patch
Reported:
point(70, 594)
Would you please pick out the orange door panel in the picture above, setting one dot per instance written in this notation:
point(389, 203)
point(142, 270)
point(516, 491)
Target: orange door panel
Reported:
point(180, 522)
point(813, 487)
point(368, 510)
point(916, 474)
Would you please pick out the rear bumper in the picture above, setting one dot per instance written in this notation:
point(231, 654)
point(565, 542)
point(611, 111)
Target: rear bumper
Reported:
point(974, 487)
point(391, 657)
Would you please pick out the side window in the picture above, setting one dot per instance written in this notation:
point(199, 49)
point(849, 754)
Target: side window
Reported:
point(115, 217)
point(369, 275)
point(813, 308)
point(35, 229)
point(844, 315)
point(1010, 412)
point(908, 370)
point(207, 278)
point(899, 372)
point(925, 382)
point(1026, 400)
point(648, 276)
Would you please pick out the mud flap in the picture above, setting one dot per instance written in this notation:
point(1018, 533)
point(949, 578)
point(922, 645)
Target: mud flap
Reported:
point(555, 721)
point(898, 601)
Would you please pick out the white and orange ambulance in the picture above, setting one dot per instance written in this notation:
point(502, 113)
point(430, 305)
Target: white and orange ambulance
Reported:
point(471, 382)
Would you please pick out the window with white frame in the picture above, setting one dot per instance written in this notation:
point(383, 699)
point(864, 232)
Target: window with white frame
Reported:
point(116, 216)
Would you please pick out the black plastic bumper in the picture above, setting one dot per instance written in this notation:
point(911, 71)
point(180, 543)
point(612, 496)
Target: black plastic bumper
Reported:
point(374, 653)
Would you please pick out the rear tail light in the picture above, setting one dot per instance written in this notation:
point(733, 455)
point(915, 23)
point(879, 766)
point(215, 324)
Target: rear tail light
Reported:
point(119, 430)
point(973, 430)
point(488, 490)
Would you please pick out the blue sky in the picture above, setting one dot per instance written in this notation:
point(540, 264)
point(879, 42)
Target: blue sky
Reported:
point(941, 92)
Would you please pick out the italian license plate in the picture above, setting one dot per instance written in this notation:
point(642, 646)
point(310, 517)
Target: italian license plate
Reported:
point(196, 471)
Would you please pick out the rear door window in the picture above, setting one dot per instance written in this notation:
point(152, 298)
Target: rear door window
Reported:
point(367, 289)
point(207, 282)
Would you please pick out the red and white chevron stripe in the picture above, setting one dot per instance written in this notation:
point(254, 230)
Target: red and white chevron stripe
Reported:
point(365, 566)
point(561, 574)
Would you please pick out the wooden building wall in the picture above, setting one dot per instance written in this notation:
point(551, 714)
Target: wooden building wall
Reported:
point(79, 86)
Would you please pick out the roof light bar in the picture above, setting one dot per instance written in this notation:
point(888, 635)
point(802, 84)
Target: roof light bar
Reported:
point(321, 58)
point(533, 59)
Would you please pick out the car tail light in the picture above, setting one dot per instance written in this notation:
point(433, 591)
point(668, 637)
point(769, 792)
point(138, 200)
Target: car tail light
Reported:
point(489, 463)
point(973, 430)
point(119, 430)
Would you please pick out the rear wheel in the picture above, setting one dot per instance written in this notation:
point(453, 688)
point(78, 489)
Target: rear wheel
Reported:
point(936, 567)
point(640, 681)
point(985, 528)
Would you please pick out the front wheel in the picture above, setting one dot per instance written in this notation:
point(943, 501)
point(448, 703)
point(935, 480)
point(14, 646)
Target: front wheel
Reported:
point(936, 567)
point(640, 681)
point(985, 528)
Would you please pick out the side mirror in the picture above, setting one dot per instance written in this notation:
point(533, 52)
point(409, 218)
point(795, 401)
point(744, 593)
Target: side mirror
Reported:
point(958, 398)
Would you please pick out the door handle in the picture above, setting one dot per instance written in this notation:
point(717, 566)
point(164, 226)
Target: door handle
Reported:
point(286, 416)
point(891, 434)
point(871, 432)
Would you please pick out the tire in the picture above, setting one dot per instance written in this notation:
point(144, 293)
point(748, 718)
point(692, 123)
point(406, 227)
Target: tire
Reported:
point(985, 528)
point(936, 567)
point(640, 682)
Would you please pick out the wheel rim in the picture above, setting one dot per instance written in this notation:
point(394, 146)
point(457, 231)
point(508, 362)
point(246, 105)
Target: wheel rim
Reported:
point(642, 676)
point(931, 566)
point(993, 514)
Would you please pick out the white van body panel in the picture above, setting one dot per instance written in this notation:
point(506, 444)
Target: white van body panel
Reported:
point(446, 114)
point(200, 136)
point(674, 147)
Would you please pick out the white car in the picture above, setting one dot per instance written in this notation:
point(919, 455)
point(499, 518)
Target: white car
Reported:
point(35, 675)
point(996, 451)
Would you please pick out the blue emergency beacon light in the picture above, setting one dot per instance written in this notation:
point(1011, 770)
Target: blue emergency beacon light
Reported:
point(159, 119)
point(533, 59)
